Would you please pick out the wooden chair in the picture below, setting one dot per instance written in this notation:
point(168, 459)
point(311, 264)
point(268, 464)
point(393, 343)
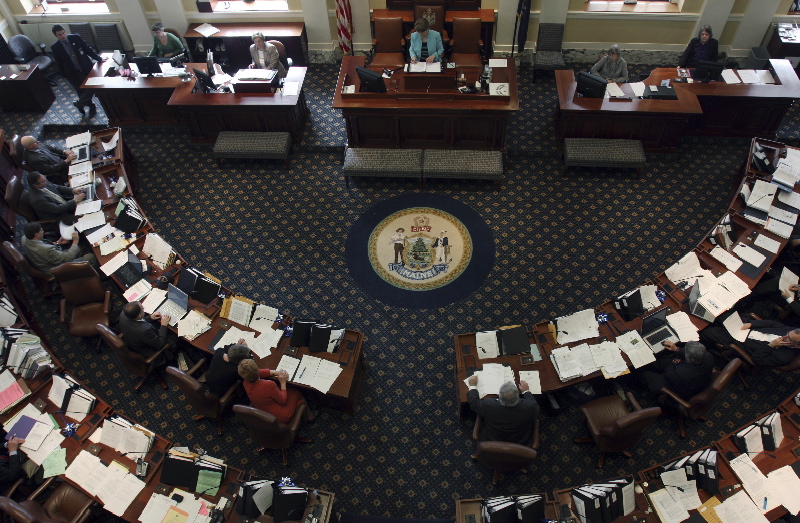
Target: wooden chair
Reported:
point(65, 505)
point(700, 404)
point(268, 433)
point(503, 456)
point(613, 427)
point(388, 44)
point(549, 55)
point(466, 44)
point(134, 363)
point(206, 403)
point(16, 197)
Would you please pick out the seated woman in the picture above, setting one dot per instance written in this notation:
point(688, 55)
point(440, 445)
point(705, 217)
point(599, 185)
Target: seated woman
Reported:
point(426, 44)
point(266, 395)
point(265, 55)
point(165, 45)
point(703, 48)
point(612, 66)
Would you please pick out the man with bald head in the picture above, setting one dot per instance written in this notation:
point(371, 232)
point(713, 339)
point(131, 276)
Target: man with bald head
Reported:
point(46, 159)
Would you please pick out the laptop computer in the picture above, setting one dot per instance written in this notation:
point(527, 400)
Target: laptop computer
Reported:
point(655, 329)
point(176, 305)
point(695, 305)
point(130, 273)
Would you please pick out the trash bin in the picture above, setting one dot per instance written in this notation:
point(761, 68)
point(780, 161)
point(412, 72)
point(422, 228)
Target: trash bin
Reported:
point(758, 58)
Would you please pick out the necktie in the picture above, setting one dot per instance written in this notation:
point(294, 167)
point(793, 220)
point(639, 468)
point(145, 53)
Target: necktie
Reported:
point(71, 53)
point(58, 197)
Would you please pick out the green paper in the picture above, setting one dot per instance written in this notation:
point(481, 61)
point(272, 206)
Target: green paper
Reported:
point(56, 463)
point(208, 482)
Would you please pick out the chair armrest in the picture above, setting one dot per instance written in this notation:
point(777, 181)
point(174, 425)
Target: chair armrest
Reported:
point(476, 431)
point(230, 393)
point(682, 402)
point(41, 488)
point(63, 308)
point(756, 316)
point(13, 488)
point(196, 367)
point(743, 354)
point(633, 402)
point(294, 425)
point(535, 439)
point(107, 303)
point(151, 359)
point(86, 511)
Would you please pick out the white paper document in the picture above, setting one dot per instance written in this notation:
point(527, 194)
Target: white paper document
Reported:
point(682, 324)
point(486, 344)
point(730, 261)
point(638, 89)
point(749, 76)
point(498, 62)
point(787, 279)
point(729, 75)
point(291, 89)
point(669, 509)
point(206, 30)
point(154, 300)
point(786, 483)
point(750, 255)
point(578, 326)
point(90, 221)
point(687, 269)
point(740, 509)
point(733, 324)
point(768, 244)
point(531, 377)
point(86, 207)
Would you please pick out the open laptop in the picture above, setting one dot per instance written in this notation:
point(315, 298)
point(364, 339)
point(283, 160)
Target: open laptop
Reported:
point(655, 329)
point(176, 305)
point(701, 310)
point(130, 273)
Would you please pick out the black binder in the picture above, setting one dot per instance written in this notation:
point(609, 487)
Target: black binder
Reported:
point(245, 505)
point(182, 472)
point(700, 475)
point(588, 505)
point(712, 476)
point(289, 503)
point(503, 510)
point(205, 290)
point(320, 336)
point(530, 509)
point(514, 341)
point(301, 333)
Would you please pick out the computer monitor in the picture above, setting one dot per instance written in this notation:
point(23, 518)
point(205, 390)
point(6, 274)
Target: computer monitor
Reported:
point(205, 81)
point(371, 81)
point(708, 71)
point(147, 64)
point(591, 86)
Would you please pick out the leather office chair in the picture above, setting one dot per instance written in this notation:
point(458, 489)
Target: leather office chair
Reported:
point(65, 505)
point(206, 403)
point(91, 305)
point(434, 13)
point(26, 53)
point(268, 433)
point(549, 56)
point(282, 56)
point(502, 456)
point(466, 45)
point(43, 281)
point(134, 362)
point(613, 427)
point(388, 44)
point(16, 150)
point(186, 53)
point(17, 198)
point(700, 404)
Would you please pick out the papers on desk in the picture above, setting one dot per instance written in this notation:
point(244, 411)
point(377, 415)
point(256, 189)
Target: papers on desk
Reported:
point(614, 365)
point(748, 254)
point(83, 168)
point(90, 221)
point(531, 377)
point(138, 290)
point(734, 285)
point(730, 77)
point(115, 263)
point(786, 483)
point(613, 89)
point(681, 489)
point(112, 142)
point(638, 88)
point(158, 250)
point(206, 30)
point(749, 76)
point(266, 341)
point(792, 199)
point(576, 327)
point(632, 344)
point(683, 327)
point(87, 207)
point(316, 373)
point(486, 344)
point(56, 462)
point(156, 508)
point(11, 392)
point(291, 88)
point(567, 364)
point(498, 62)
point(687, 269)
point(263, 318)
point(76, 140)
point(739, 509)
point(238, 309)
point(122, 435)
point(755, 483)
point(498, 89)
point(731, 262)
point(491, 377)
point(762, 195)
point(101, 233)
point(255, 74)
point(233, 335)
point(768, 244)
point(153, 300)
point(424, 67)
point(193, 325)
point(586, 359)
point(669, 509)
point(777, 227)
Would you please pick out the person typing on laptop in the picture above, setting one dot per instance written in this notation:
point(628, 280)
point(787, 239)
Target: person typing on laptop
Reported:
point(684, 368)
point(146, 334)
point(51, 201)
point(47, 159)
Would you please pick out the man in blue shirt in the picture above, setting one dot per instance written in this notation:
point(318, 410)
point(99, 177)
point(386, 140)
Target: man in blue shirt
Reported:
point(74, 56)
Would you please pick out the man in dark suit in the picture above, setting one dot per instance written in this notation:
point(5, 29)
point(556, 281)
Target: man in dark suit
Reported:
point(47, 159)
point(685, 368)
point(74, 57)
point(146, 335)
point(10, 468)
point(223, 371)
point(769, 344)
point(508, 417)
point(50, 201)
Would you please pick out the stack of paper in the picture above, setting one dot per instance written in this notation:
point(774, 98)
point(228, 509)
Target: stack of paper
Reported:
point(731, 262)
point(740, 509)
point(486, 343)
point(687, 269)
point(263, 318)
point(632, 344)
point(531, 377)
point(762, 195)
point(317, 373)
point(193, 325)
point(491, 377)
point(269, 339)
point(613, 364)
point(159, 250)
point(683, 326)
point(669, 509)
point(576, 327)
point(566, 364)
point(124, 436)
point(238, 309)
point(11, 392)
point(755, 483)
point(153, 300)
point(233, 335)
point(585, 358)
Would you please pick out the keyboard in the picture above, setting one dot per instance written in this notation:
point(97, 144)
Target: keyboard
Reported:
point(127, 275)
point(173, 310)
point(658, 336)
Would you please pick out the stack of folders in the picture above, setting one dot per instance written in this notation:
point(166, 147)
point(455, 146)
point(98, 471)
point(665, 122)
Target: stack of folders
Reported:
point(126, 437)
point(199, 286)
point(289, 503)
point(129, 219)
point(566, 363)
point(72, 400)
point(501, 509)
point(605, 502)
point(158, 250)
point(700, 467)
point(723, 234)
point(764, 435)
point(12, 391)
point(238, 309)
point(27, 357)
point(255, 498)
point(8, 315)
point(184, 468)
point(8, 336)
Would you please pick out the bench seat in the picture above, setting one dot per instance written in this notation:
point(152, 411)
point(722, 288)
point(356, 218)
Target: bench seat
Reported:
point(604, 152)
point(252, 145)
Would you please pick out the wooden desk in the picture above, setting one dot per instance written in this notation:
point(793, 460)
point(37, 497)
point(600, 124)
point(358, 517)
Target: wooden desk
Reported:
point(659, 124)
point(238, 37)
point(29, 91)
point(781, 47)
point(411, 115)
point(209, 114)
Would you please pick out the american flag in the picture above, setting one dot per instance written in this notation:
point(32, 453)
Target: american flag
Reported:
point(344, 25)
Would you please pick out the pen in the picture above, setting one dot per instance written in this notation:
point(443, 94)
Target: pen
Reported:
point(765, 502)
point(301, 374)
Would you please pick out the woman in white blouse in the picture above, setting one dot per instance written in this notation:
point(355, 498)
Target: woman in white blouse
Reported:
point(265, 55)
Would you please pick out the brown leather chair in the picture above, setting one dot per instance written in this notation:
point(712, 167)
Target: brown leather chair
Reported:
point(91, 305)
point(467, 46)
point(16, 151)
point(502, 456)
point(268, 433)
point(206, 403)
point(700, 404)
point(282, 56)
point(434, 13)
point(613, 427)
point(134, 362)
point(177, 35)
point(44, 282)
point(65, 505)
point(388, 44)
point(17, 198)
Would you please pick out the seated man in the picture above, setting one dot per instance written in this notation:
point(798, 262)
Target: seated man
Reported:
point(142, 336)
point(769, 344)
point(50, 200)
point(224, 368)
point(506, 418)
point(47, 159)
point(45, 255)
point(684, 368)
point(10, 468)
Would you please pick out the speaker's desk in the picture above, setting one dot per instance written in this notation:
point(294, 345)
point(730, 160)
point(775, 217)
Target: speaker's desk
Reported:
point(425, 110)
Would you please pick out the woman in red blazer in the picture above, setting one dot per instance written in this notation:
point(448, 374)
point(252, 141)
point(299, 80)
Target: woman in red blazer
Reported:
point(267, 395)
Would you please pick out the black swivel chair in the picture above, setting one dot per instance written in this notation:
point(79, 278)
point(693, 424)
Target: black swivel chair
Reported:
point(26, 53)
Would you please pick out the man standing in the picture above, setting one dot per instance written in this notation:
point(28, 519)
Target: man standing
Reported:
point(74, 56)
point(46, 159)
point(508, 417)
point(45, 255)
point(143, 336)
point(685, 369)
point(399, 241)
point(50, 200)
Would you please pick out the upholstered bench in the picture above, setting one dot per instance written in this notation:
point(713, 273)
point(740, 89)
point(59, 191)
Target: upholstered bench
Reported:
point(254, 145)
point(604, 152)
point(387, 163)
point(463, 164)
